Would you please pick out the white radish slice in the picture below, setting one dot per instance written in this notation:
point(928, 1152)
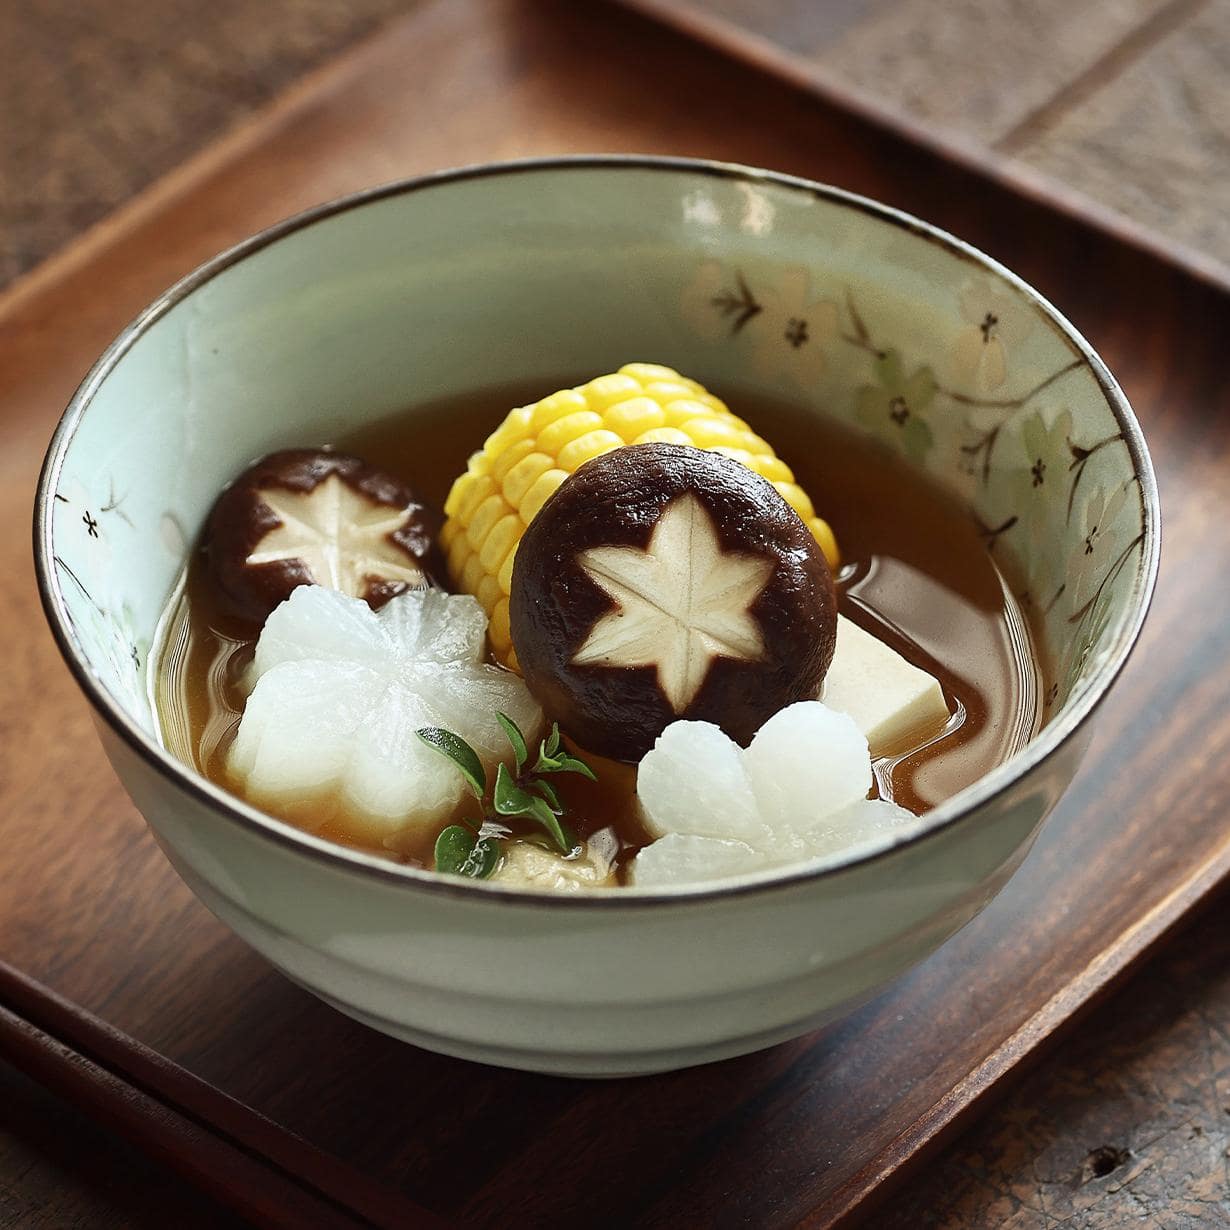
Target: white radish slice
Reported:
point(797, 793)
point(681, 858)
point(693, 781)
point(806, 762)
point(340, 691)
point(857, 825)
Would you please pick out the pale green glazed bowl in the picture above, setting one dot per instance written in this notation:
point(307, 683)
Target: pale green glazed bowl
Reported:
point(506, 274)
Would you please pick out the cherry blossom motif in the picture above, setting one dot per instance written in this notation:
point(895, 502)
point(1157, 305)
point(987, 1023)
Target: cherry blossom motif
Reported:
point(895, 409)
point(683, 602)
point(794, 329)
point(787, 327)
point(1097, 544)
point(1046, 447)
point(1034, 481)
point(340, 534)
point(995, 322)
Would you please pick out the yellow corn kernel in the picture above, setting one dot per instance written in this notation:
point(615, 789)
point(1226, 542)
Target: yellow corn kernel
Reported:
point(506, 569)
point(508, 458)
point(736, 454)
point(680, 410)
point(652, 373)
point(591, 444)
point(797, 498)
point(515, 427)
point(461, 484)
point(635, 416)
point(709, 432)
point(607, 390)
point(499, 542)
point(458, 553)
point(528, 456)
point(543, 489)
point(545, 412)
point(521, 477)
point(471, 490)
point(664, 391)
point(772, 468)
point(485, 516)
point(822, 532)
point(564, 431)
point(488, 593)
point(498, 628)
point(472, 574)
point(662, 435)
point(646, 372)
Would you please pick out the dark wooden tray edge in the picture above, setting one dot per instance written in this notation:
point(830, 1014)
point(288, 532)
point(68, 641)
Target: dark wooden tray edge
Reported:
point(850, 1204)
point(244, 1160)
point(733, 41)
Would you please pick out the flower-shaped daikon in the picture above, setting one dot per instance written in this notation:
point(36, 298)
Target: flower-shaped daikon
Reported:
point(340, 691)
point(798, 792)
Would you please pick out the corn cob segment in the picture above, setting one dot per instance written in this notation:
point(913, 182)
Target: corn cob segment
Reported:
point(537, 447)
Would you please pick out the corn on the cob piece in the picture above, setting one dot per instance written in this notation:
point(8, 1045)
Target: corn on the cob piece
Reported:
point(537, 447)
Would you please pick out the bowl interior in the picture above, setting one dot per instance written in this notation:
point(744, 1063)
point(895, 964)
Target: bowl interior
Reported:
point(512, 275)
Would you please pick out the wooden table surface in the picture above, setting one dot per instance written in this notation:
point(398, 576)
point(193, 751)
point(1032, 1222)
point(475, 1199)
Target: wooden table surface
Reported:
point(1131, 1119)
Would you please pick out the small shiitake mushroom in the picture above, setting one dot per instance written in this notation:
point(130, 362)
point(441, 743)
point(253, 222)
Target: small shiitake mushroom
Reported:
point(663, 582)
point(314, 517)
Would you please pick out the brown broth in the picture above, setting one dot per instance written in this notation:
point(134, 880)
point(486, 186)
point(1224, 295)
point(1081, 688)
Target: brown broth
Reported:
point(916, 573)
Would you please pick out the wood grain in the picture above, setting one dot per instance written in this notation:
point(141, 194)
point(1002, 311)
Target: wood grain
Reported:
point(99, 100)
point(1113, 113)
point(255, 1165)
point(59, 1170)
point(808, 1131)
point(1128, 1123)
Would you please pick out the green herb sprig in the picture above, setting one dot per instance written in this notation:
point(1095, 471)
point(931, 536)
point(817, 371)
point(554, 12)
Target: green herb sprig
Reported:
point(473, 850)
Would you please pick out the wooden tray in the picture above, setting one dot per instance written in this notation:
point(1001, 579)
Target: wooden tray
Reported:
point(126, 995)
point(1112, 114)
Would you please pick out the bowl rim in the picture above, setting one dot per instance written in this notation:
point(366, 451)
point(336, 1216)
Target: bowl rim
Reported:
point(960, 807)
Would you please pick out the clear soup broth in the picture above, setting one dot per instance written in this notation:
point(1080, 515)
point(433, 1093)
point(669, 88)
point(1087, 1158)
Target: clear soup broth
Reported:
point(915, 572)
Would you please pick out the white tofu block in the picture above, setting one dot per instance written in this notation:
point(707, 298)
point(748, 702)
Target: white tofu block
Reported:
point(891, 701)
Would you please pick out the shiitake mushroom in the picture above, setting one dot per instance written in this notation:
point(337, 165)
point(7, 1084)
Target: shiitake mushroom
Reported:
point(312, 516)
point(663, 582)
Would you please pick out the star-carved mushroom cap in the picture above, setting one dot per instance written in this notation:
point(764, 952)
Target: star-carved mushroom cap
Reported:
point(316, 517)
point(663, 582)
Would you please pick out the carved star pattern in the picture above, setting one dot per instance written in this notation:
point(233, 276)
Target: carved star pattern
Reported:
point(683, 602)
point(341, 535)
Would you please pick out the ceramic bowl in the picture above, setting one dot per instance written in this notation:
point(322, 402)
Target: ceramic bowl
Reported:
point(511, 274)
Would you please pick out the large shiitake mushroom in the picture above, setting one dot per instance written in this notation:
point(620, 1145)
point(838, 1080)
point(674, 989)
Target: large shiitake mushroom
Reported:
point(663, 582)
point(311, 516)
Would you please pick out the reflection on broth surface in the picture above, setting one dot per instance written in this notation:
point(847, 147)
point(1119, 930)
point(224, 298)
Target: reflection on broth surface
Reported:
point(916, 574)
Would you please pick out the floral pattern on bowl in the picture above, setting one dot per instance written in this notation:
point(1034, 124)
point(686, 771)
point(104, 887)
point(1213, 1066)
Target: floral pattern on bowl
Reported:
point(970, 409)
point(97, 528)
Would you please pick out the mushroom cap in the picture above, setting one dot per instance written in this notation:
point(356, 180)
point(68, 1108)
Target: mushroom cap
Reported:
point(664, 582)
point(402, 551)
